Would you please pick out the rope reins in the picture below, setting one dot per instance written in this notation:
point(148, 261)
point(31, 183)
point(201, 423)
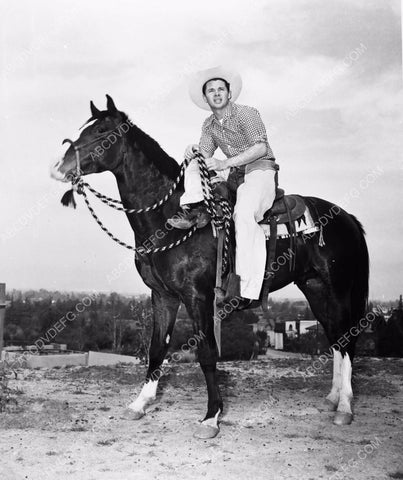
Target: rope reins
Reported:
point(218, 222)
point(140, 249)
point(113, 203)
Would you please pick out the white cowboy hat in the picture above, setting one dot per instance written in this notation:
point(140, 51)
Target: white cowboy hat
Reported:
point(200, 78)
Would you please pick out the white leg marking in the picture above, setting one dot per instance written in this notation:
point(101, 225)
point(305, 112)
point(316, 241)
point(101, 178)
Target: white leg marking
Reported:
point(145, 397)
point(212, 422)
point(346, 392)
point(334, 394)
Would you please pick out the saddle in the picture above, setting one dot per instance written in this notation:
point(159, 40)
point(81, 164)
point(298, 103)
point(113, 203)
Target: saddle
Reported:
point(285, 208)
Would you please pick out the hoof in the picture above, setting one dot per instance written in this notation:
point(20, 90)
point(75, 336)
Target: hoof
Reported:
point(343, 418)
point(332, 407)
point(135, 414)
point(206, 431)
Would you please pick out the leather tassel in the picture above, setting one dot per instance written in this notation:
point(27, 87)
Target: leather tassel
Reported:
point(68, 199)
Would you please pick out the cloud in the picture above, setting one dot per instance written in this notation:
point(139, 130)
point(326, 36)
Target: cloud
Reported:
point(57, 56)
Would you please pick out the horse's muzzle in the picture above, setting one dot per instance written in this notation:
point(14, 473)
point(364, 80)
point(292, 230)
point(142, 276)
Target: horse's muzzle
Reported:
point(56, 174)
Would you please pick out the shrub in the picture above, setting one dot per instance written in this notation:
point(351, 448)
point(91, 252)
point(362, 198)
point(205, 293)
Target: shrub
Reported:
point(6, 393)
point(237, 339)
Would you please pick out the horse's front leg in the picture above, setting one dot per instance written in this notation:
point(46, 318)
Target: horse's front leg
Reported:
point(165, 308)
point(201, 312)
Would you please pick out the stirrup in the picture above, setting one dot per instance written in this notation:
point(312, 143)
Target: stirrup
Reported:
point(181, 222)
point(194, 216)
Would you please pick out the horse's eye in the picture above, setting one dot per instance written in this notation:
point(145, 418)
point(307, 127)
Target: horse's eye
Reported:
point(100, 130)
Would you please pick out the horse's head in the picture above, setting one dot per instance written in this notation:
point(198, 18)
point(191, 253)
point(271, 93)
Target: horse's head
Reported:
point(100, 146)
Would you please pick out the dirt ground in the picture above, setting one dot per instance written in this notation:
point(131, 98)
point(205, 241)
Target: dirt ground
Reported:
point(72, 423)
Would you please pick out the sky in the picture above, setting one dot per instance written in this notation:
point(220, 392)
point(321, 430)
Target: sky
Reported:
point(325, 76)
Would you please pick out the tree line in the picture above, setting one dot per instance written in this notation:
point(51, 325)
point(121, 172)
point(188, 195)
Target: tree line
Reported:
point(109, 322)
point(123, 324)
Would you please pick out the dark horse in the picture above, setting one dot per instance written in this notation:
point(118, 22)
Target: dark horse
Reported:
point(333, 276)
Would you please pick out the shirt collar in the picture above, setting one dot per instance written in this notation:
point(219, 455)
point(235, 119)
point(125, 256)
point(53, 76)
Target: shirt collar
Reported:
point(229, 113)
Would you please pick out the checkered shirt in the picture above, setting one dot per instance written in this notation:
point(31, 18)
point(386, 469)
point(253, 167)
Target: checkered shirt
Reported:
point(241, 128)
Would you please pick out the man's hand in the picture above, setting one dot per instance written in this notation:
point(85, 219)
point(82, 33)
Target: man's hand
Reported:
point(190, 151)
point(215, 164)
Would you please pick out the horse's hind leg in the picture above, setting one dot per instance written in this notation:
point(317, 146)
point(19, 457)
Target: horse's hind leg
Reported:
point(165, 309)
point(344, 414)
point(341, 394)
point(332, 399)
point(334, 313)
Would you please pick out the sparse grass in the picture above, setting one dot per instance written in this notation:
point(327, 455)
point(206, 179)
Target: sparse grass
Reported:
point(78, 428)
point(78, 391)
point(292, 435)
point(107, 442)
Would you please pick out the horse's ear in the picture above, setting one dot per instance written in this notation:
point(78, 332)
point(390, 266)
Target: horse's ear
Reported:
point(110, 105)
point(94, 111)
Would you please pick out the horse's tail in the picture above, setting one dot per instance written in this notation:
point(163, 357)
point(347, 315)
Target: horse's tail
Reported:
point(359, 293)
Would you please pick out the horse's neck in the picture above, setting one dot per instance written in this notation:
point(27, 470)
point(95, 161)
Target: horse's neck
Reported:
point(141, 185)
point(139, 180)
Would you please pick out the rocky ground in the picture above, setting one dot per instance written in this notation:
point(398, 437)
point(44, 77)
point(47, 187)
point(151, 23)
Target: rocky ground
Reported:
point(72, 423)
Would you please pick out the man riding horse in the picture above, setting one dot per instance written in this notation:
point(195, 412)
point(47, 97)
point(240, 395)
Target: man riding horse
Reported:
point(250, 166)
point(331, 266)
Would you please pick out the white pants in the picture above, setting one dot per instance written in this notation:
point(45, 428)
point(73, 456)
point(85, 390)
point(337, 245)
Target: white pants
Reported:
point(193, 188)
point(254, 197)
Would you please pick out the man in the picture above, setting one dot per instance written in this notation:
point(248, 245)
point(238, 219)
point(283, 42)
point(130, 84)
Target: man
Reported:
point(240, 133)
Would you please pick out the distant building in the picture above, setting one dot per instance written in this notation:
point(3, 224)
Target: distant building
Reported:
point(292, 329)
point(295, 328)
point(317, 327)
point(278, 337)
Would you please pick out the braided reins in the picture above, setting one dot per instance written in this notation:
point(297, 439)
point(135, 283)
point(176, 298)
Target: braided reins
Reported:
point(113, 203)
point(218, 222)
point(141, 250)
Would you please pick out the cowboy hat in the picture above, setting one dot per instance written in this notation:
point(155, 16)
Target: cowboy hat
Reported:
point(200, 78)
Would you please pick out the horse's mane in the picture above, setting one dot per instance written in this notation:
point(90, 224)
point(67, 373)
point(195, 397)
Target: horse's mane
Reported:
point(164, 163)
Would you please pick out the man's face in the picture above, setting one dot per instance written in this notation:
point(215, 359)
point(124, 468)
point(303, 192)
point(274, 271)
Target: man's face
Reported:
point(217, 96)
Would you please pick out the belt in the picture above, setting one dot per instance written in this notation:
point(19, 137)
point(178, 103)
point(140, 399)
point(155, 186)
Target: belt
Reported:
point(237, 174)
point(269, 161)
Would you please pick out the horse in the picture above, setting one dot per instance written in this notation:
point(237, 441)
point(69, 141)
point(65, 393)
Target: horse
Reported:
point(333, 275)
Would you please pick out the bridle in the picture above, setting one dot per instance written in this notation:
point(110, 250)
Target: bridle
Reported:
point(77, 149)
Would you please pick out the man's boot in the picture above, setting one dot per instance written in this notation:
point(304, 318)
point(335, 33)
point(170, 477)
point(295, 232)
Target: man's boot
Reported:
point(192, 214)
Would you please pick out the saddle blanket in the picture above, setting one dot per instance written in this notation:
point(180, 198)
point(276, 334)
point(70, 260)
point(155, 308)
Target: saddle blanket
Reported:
point(305, 225)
